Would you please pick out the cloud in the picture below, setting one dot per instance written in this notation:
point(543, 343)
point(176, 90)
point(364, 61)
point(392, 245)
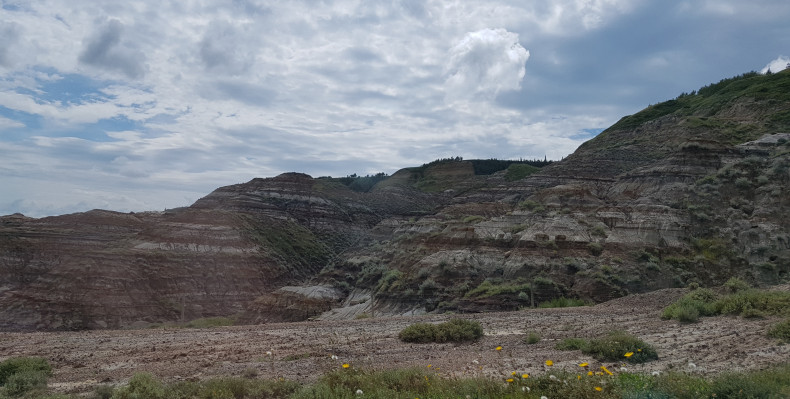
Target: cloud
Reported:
point(484, 63)
point(222, 49)
point(779, 64)
point(10, 33)
point(6, 123)
point(106, 50)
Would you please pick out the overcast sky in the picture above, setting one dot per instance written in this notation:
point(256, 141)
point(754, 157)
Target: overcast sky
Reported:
point(145, 105)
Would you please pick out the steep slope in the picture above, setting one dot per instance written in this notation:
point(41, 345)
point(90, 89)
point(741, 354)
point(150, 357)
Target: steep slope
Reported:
point(693, 190)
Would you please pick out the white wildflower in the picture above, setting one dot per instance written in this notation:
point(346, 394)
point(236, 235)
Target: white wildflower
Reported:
point(334, 357)
point(623, 369)
point(656, 373)
point(359, 392)
point(552, 377)
point(692, 365)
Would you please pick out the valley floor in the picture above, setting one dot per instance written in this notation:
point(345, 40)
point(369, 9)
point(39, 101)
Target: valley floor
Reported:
point(303, 351)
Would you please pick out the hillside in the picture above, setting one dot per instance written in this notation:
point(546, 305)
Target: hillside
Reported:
point(693, 190)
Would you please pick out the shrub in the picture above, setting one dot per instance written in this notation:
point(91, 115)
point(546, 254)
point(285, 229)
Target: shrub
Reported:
point(455, 330)
point(210, 322)
point(688, 309)
point(771, 383)
point(596, 249)
point(25, 381)
point(781, 331)
point(749, 301)
point(612, 347)
point(734, 284)
point(616, 344)
point(418, 333)
point(530, 205)
point(562, 302)
point(532, 338)
point(16, 365)
point(141, 386)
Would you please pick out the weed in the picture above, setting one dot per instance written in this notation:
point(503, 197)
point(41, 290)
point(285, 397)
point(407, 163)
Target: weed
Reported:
point(781, 331)
point(596, 249)
point(734, 284)
point(531, 338)
point(615, 346)
point(455, 330)
point(210, 322)
point(563, 302)
point(16, 365)
point(25, 381)
point(571, 344)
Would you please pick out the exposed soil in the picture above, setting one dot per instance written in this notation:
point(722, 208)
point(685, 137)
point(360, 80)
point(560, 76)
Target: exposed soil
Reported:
point(302, 351)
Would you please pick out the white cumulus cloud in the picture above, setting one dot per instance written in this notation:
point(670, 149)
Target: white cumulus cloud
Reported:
point(777, 65)
point(483, 64)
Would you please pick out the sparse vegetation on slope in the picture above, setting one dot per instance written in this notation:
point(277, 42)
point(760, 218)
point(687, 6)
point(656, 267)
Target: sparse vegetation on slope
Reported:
point(739, 300)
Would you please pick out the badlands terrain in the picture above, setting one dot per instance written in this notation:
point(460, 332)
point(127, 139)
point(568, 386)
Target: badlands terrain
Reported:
point(303, 351)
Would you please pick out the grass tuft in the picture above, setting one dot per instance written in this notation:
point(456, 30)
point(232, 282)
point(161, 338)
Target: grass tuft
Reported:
point(615, 346)
point(455, 330)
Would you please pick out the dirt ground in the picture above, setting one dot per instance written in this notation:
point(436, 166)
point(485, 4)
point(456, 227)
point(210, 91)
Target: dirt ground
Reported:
point(303, 351)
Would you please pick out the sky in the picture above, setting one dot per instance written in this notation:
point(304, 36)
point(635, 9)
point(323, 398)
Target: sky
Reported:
point(147, 105)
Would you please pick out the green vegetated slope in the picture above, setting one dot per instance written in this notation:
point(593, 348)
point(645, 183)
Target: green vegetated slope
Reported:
point(731, 112)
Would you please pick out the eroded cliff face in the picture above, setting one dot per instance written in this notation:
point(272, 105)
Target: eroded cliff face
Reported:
point(694, 195)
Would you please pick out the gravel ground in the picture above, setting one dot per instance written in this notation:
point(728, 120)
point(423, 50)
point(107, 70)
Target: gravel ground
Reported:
point(302, 351)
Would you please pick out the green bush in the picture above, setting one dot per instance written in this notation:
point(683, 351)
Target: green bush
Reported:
point(210, 322)
point(595, 248)
point(562, 302)
point(25, 381)
point(781, 331)
point(455, 330)
point(612, 347)
point(771, 383)
point(688, 309)
point(616, 344)
point(141, 386)
point(15, 365)
point(734, 284)
point(571, 344)
point(745, 302)
point(532, 337)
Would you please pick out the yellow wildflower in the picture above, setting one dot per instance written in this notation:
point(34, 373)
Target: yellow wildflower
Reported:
point(585, 364)
point(525, 375)
point(639, 350)
point(509, 380)
point(599, 389)
point(629, 354)
point(429, 366)
point(513, 373)
point(590, 373)
point(346, 365)
point(579, 377)
point(499, 348)
point(606, 370)
point(549, 363)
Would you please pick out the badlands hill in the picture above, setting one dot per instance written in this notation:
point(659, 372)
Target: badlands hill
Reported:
point(692, 190)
